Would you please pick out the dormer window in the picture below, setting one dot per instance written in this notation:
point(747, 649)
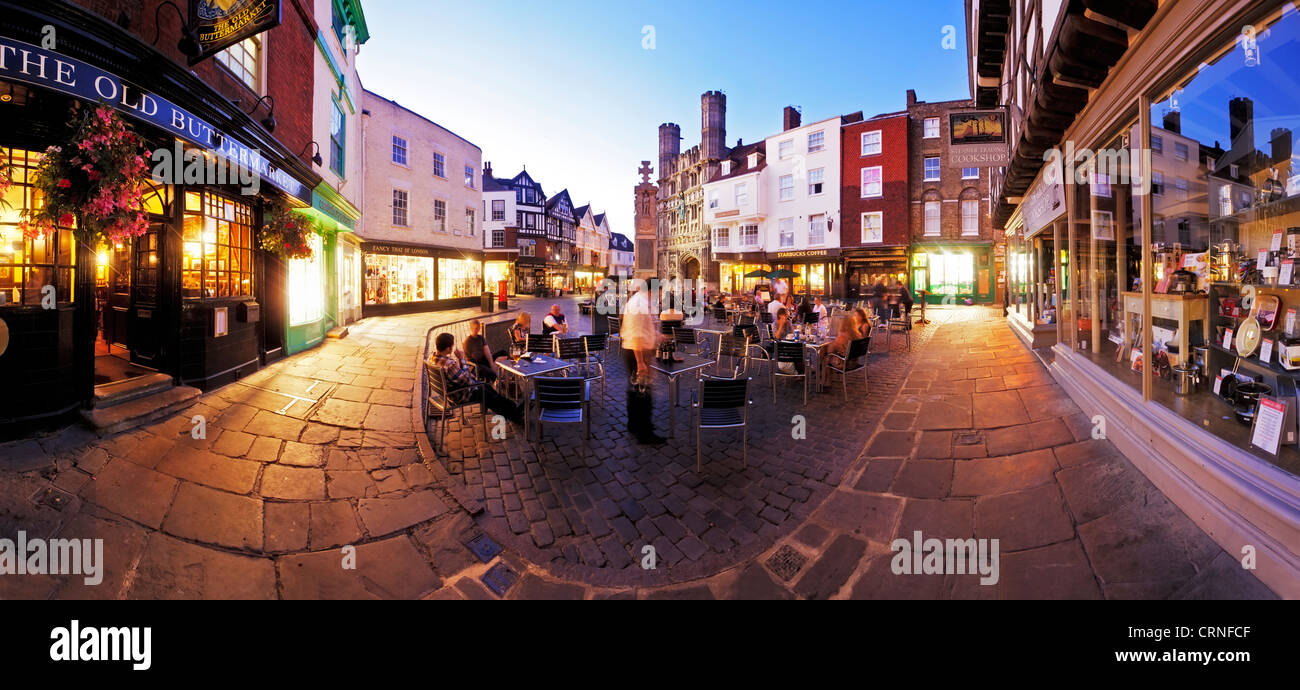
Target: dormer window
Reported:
point(753, 160)
point(726, 167)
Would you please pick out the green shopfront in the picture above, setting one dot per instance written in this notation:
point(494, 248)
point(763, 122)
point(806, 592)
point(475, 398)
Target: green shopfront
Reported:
point(953, 272)
point(318, 284)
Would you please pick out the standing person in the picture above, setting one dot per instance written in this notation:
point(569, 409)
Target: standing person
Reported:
point(805, 308)
point(460, 375)
point(639, 336)
point(905, 299)
point(554, 322)
point(820, 309)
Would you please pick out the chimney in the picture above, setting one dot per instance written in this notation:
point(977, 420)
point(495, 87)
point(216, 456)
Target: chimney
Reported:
point(740, 143)
point(911, 97)
point(1241, 123)
point(1173, 122)
point(1280, 143)
point(790, 118)
point(487, 169)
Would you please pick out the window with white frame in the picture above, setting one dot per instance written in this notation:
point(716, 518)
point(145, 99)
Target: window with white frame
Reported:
point(749, 235)
point(787, 187)
point(871, 143)
point(816, 142)
point(815, 178)
point(931, 169)
point(1180, 150)
point(439, 165)
point(873, 227)
point(742, 195)
point(871, 186)
point(726, 167)
point(932, 219)
point(931, 128)
point(1225, 200)
point(970, 173)
point(786, 227)
point(498, 239)
point(244, 60)
point(498, 209)
point(816, 229)
point(401, 200)
point(713, 198)
point(785, 149)
point(469, 176)
point(970, 217)
point(721, 237)
point(440, 215)
point(527, 247)
point(399, 150)
point(470, 225)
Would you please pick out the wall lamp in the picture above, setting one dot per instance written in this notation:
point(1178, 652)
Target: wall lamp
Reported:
point(316, 158)
point(189, 43)
point(269, 121)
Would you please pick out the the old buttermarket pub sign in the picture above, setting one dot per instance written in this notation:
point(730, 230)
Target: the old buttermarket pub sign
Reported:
point(221, 23)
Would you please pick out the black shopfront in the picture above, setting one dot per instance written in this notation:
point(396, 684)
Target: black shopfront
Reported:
point(193, 298)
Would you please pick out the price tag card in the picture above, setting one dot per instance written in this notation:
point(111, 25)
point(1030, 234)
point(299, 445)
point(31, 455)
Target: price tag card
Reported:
point(1266, 351)
point(1284, 274)
point(1268, 425)
point(1218, 383)
point(1227, 339)
point(1290, 322)
point(1276, 244)
point(1261, 260)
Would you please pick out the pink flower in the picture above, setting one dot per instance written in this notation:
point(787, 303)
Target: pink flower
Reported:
point(65, 183)
point(66, 219)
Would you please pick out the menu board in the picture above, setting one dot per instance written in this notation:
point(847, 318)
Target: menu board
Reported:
point(1276, 243)
point(1266, 351)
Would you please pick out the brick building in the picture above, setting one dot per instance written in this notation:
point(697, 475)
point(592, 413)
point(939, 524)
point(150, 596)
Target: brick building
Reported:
point(875, 206)
point(953, 249)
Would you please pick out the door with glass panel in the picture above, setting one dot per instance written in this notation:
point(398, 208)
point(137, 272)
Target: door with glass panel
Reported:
point(144, 330)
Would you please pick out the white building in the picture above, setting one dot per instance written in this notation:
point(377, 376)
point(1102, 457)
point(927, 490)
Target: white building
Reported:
point(622, 256)
point(422, 230)
point(735, 210)
point(500, 224)
point(801, 190)
point(600, 252)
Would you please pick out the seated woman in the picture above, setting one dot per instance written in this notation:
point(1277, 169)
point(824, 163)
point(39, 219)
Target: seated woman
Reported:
point(478, 354)
point(520, 330)
point(850, 330)
point(782, 329)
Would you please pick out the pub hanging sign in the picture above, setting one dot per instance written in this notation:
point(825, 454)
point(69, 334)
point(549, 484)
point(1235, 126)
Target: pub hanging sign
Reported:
point(222, 23)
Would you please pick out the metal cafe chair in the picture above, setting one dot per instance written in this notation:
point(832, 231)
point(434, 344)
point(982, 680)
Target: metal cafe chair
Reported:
point(811, 317)
point(731, 361)
point(793, 354)
point(754, 348)
point(745, 320)
point(721, 404)
point(901, 324)
point(851, 362)
point(561, 400)
point(544, 344)
point(438, 400)
point(597, 351)
point(574, 351)
point(720, 313)
point(686, 338)
point(615, 325)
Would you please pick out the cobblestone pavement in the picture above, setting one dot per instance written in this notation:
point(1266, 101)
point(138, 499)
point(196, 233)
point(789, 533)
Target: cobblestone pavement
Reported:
point(966, 435)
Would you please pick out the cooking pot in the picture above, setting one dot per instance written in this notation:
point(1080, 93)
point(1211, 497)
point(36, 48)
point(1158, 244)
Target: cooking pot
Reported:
point(1185, 378)
point(1181, 281)
point(1246, 400)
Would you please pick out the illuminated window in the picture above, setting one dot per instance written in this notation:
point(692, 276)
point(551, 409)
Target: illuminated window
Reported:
point(459, 278)
point(218, 244)
point(27, 266)
point(398, 279)
point(306, 289)
point(243, 59)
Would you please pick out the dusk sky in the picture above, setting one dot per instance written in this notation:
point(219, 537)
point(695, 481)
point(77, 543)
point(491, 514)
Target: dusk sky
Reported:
point(568, 88)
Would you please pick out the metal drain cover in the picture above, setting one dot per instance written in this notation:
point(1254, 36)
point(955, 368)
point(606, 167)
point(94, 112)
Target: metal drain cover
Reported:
point(786, 562)
point(500, 578)
point(968, 438)
point(51, 498)
point(483, 547)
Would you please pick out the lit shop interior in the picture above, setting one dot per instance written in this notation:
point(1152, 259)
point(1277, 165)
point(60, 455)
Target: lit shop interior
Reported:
point(496, 271)
point(409, 279)
point(1224, 251)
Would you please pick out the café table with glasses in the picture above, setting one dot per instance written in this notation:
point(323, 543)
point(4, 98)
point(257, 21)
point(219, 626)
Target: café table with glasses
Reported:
point(535, 365)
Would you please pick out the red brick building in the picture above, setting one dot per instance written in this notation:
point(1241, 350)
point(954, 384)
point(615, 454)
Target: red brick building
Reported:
point(874, 204)
point(953, 247)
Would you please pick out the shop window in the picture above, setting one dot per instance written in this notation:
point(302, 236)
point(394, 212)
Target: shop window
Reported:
point(306, 286)
point(27, 266)
point(217, 237)
point(459, 278)
point(398, 279)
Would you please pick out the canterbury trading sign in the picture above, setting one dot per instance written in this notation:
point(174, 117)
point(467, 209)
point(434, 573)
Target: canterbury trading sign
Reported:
point(221, 23)
point(26, 63)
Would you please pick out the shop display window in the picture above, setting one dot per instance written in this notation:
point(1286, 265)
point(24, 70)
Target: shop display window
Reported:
point(27, 266)
point(1230, 235)
point(497, 271)
point(398, 279)
point(459, 278)
point(217, 237)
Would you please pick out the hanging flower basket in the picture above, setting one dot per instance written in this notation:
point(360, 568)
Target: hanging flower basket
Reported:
point(97, 180)
point(287, 234)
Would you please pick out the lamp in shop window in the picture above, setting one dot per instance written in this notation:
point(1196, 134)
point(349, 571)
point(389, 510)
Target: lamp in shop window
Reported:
point(189, 43)
point(316, 158)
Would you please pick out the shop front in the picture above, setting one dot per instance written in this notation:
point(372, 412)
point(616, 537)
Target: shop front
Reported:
point(864, 268)
point(497, 271)
point(192, 297)
point(1177, 249)
point(953, 273)
point(732, 269)
point(587, 277)
point(818, 273)
point(404, 278)
point(530, 275)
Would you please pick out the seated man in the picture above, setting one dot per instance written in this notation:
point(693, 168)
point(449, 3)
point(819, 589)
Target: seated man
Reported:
point(554, 322)
point(460, 375)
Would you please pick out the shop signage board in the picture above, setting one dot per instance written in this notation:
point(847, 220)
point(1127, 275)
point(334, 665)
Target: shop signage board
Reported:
point(1046, 201)
point(978, 139)
point(222, 23)
point(47, 69)
point(396, 249)
point(805, 254)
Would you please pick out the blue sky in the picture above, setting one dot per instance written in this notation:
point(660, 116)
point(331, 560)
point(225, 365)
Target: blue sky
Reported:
point(567, 87)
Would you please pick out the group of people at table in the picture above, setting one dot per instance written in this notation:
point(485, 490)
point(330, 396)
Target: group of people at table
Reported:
point(473, 362)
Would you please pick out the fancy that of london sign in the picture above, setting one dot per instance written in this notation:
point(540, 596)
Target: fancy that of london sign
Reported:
point(221, 23)
point(32, 65)
point(978, 139)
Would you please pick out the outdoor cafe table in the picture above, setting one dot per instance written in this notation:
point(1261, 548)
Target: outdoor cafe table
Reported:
point(539, 365)
point(815, 345)
point(674, 370)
